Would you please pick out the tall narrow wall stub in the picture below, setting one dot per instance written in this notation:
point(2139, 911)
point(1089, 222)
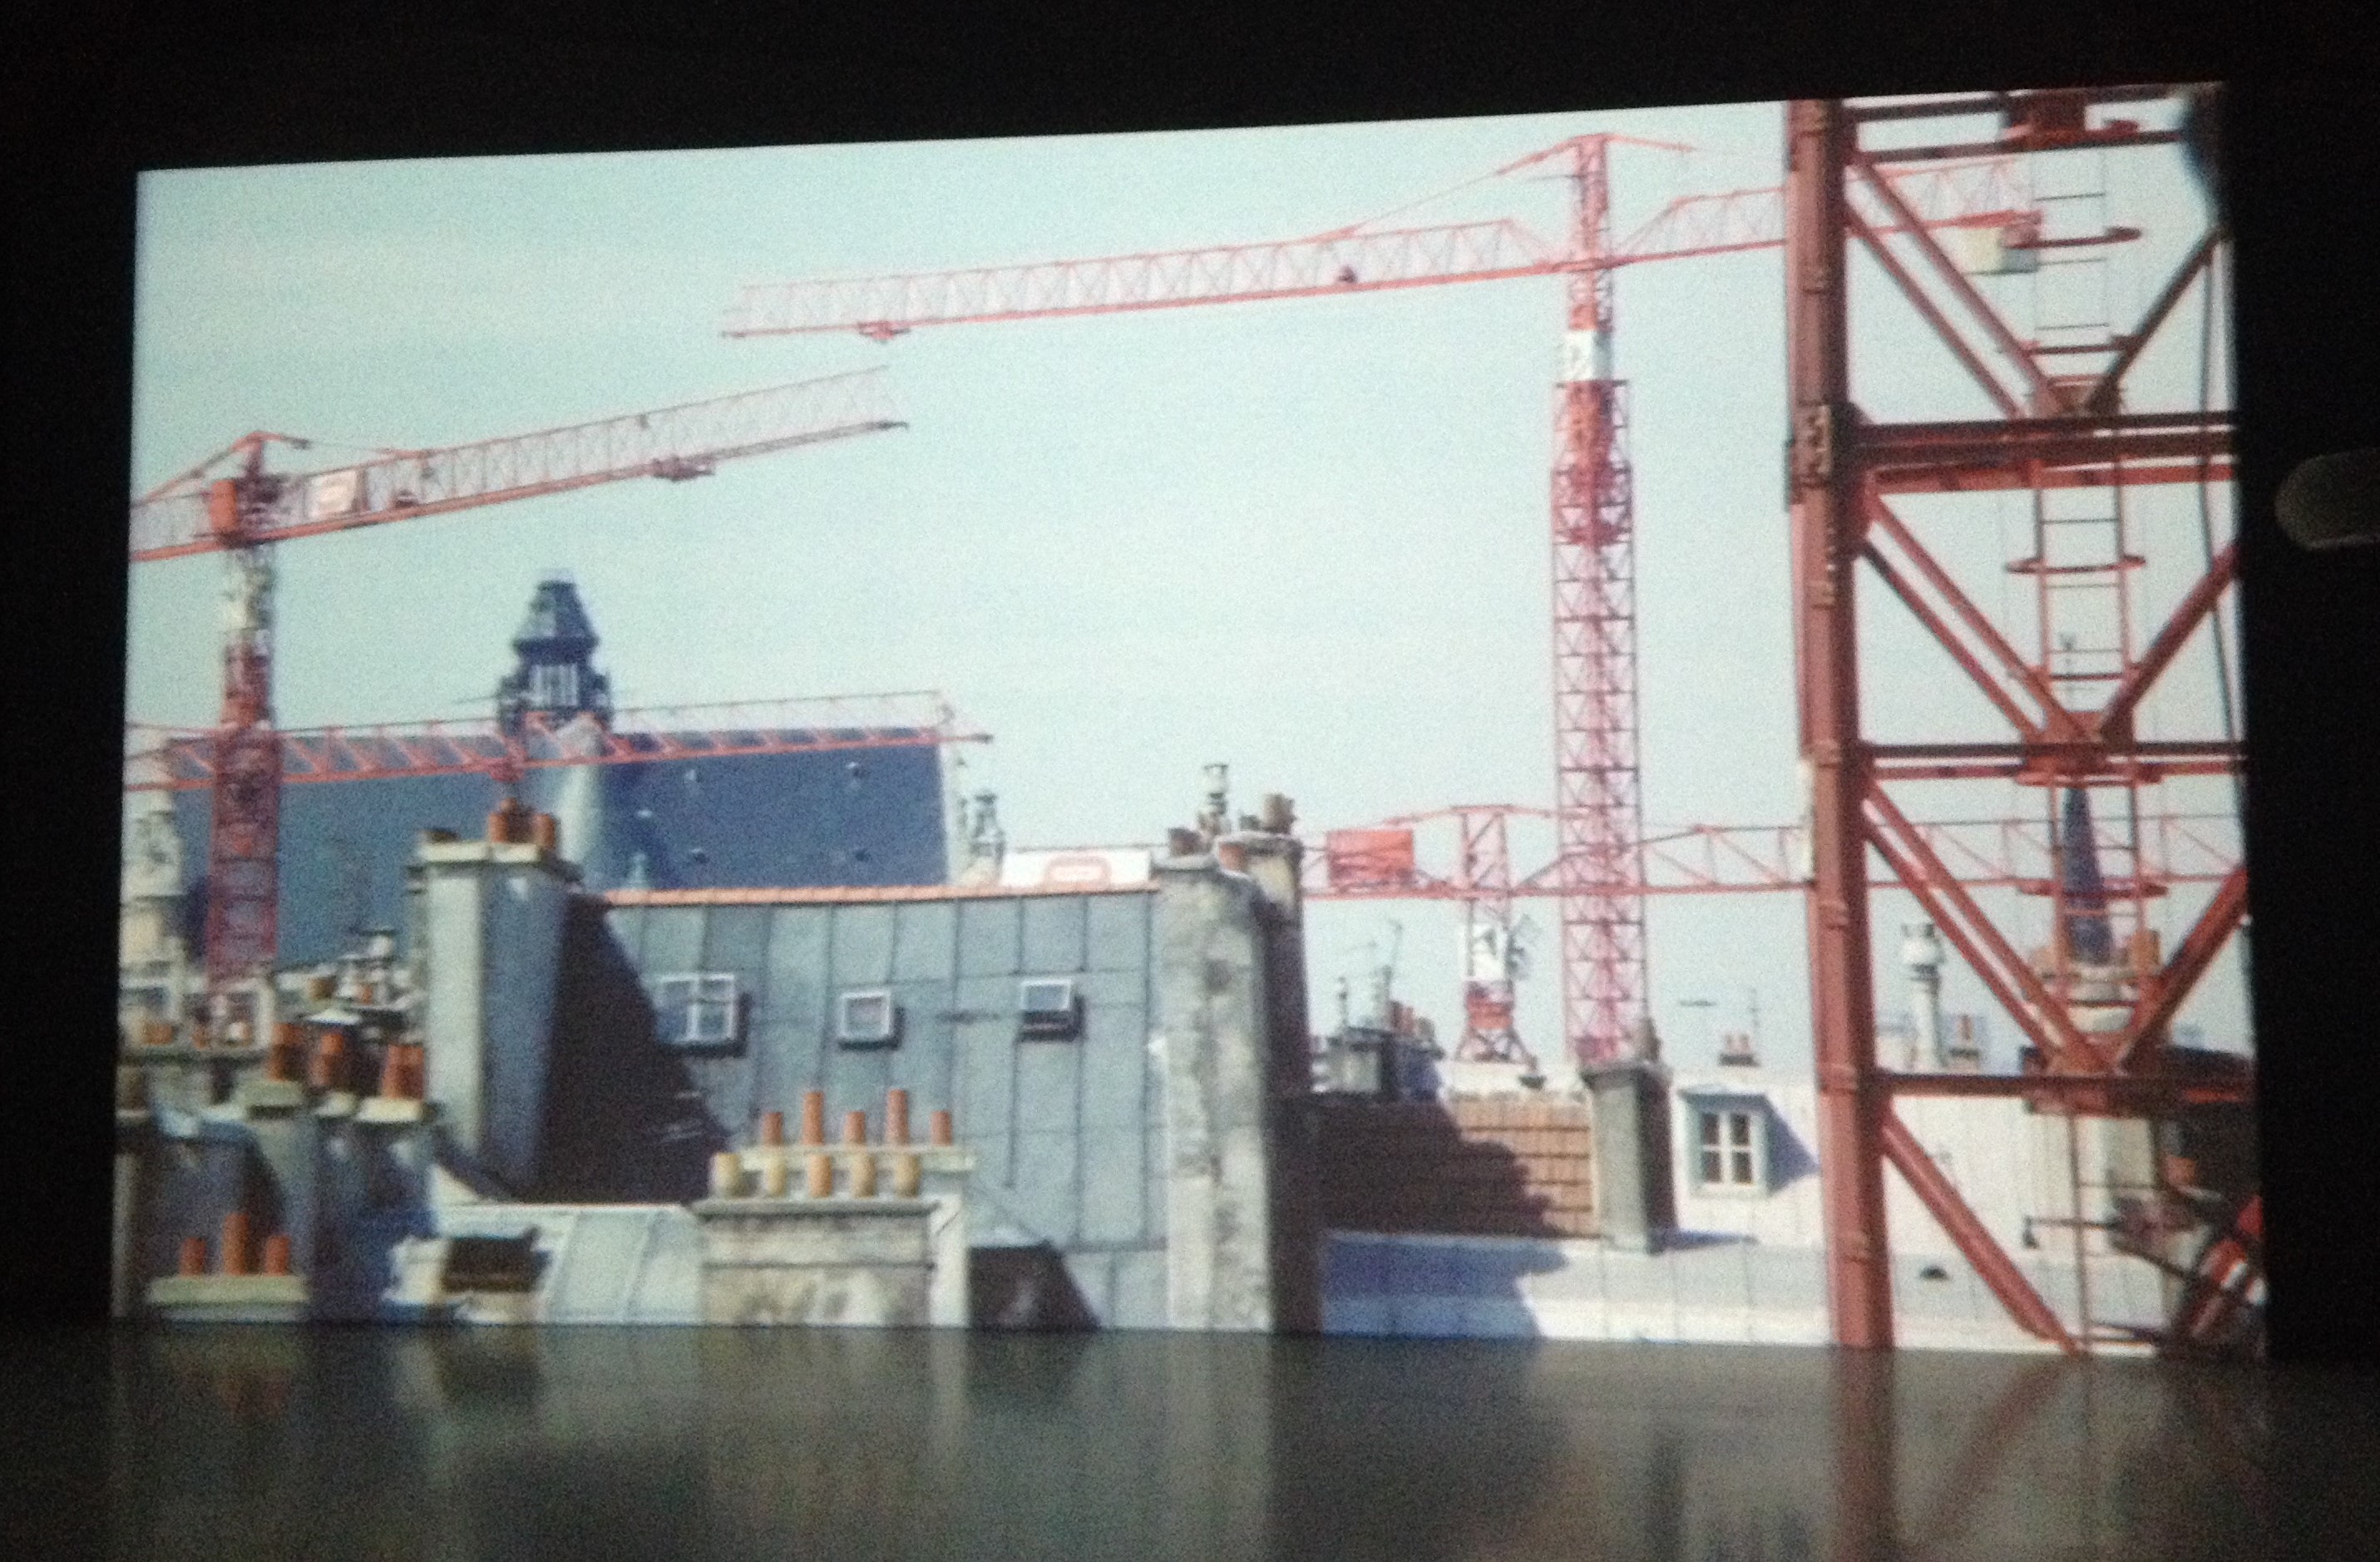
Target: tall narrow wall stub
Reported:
point(488, 935)
point(1213, 1026)
point(1292, 1134)
point(1635, 1195)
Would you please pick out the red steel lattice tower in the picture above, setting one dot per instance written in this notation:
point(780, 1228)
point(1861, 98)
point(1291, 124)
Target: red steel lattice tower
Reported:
point(1598, 813)
point(2094, 1007)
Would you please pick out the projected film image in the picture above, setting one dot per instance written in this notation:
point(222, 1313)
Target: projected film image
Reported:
point(1612, 725)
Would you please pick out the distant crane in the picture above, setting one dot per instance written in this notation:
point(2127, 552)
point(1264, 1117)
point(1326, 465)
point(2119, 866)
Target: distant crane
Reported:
point(240, 513)
point(1597, 810)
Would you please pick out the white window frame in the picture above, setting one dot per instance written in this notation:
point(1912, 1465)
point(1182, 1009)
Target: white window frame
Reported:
point(1064, 1024)
point(698, 1008)
point(1730, 1163)
point(850, 1032)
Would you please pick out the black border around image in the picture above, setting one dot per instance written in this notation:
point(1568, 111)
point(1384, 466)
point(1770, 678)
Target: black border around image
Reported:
point(118, 99)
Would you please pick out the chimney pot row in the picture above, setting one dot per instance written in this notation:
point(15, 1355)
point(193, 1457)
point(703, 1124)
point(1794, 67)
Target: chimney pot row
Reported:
point(900, 1170)
point(898, 1131)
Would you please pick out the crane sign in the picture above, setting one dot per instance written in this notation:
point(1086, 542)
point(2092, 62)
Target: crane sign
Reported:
point(1597, 808)
point(239, 514)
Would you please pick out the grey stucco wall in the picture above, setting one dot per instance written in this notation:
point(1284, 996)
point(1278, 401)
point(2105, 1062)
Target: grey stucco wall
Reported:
point(1216, 1045)
point(1292, 1137)
point(524, 940)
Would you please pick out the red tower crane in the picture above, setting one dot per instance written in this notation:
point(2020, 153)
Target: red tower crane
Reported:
point(1598, 807)
point(1386, 860)
point(241, 514)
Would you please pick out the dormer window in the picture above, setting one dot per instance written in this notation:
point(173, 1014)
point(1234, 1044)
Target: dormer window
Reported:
point(697, 1009)
point(1731, 1149)
point(1049, 1009)
point(867, 1018)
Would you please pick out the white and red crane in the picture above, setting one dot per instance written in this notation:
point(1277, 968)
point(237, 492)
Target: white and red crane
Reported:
point(243, 512)
point(1599, 871)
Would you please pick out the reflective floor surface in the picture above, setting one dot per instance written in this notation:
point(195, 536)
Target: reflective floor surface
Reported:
point(261, 1442)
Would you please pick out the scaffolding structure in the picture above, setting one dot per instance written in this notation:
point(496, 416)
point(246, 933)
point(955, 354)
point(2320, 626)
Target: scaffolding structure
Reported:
point(2094, 1003)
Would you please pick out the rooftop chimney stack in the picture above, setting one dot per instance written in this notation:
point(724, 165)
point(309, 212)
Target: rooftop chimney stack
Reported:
point(1215, 818)
point(486, 921)
point(1921, 957)
point(986, 843)
point(149, 947)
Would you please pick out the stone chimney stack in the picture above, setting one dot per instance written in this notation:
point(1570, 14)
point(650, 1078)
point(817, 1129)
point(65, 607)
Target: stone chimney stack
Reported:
point(488, 920)
point(1635, 1201)
point(1242, 1222)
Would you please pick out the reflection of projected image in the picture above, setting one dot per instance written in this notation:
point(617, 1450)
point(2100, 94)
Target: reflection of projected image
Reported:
point(1864, 969)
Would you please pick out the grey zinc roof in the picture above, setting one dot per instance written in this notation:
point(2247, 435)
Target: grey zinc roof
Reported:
point(1065, 1133)
point(618, 1263)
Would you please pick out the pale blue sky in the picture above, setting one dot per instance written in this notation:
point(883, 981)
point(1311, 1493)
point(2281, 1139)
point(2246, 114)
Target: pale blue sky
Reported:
point(1308, 539)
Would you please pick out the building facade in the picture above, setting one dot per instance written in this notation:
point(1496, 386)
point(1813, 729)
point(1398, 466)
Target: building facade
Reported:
point(557, 1105)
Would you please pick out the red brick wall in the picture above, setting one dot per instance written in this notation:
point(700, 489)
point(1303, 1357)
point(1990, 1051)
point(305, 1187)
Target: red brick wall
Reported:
point(1478, 1167)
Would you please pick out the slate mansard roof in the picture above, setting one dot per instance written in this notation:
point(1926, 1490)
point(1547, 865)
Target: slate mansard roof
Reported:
point(1066, 1132)
point(860, 817)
